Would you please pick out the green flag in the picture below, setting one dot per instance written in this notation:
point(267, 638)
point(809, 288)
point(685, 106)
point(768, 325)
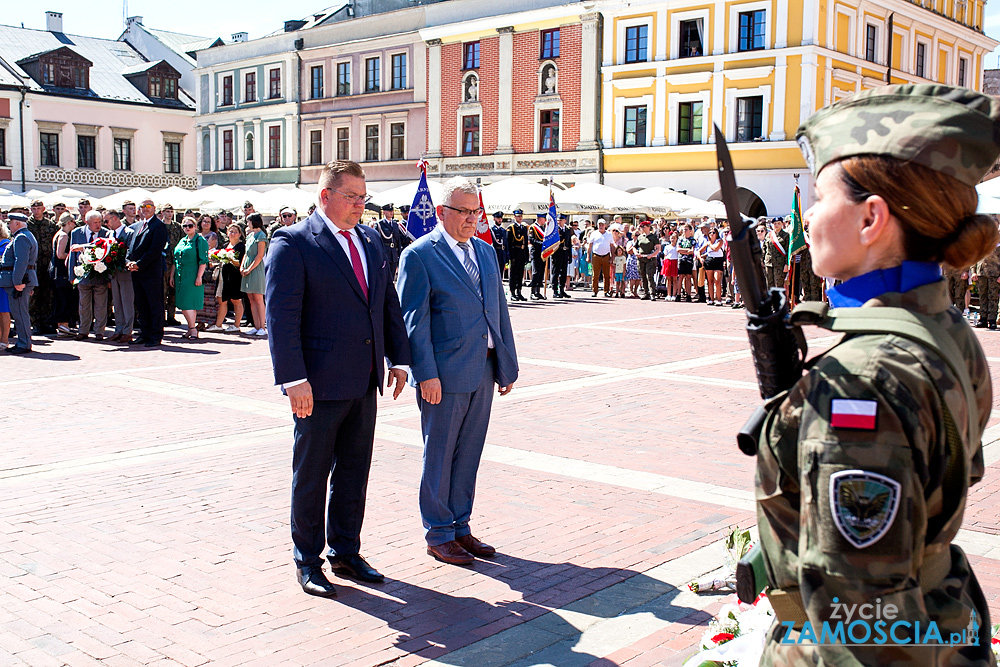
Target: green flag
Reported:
point(796, 236)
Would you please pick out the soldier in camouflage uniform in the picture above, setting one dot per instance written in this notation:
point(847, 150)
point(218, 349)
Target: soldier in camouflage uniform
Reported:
point(958, 285)
point(812, 285)
point(174, 234)
point(775, 258)
point(986, 274)
point(44, 229)
point(859, 490)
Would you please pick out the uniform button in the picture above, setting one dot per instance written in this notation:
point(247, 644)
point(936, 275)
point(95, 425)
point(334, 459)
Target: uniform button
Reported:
point(484, 335)
point(368, 341)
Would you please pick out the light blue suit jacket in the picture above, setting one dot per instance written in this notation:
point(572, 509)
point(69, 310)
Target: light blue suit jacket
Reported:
point(447, 322)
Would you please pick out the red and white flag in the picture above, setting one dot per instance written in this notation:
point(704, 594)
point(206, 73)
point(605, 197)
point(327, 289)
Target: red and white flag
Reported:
point(852, 413)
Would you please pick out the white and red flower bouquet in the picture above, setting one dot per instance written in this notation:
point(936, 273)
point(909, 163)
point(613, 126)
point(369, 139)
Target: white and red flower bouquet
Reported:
point(224, 256)
point(99, 260)
point(736, 637)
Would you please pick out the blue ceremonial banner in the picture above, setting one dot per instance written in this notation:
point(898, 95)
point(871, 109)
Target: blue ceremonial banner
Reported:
point(422, 218)
point(551, 240)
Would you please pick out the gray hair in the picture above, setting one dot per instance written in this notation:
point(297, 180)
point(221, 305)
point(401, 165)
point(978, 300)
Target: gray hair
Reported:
point(92, 215)
point(457, 184)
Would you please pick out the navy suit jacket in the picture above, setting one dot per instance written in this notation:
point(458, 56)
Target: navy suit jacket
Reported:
point(447, 321)
point(320, 326)
point(79, 236)
point(147, 248)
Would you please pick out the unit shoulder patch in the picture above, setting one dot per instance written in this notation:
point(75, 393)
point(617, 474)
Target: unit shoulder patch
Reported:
point(864, 505)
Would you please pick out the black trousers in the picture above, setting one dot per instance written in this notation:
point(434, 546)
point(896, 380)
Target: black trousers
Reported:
point(331, 458)
point(559, 269)
point(537, 273)
point(149, 310)
point(516, 275)
point(647, 269)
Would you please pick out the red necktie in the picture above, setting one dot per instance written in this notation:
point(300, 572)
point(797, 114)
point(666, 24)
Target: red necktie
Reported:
point(359, 271)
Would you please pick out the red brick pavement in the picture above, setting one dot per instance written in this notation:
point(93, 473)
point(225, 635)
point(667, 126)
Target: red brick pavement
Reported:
point(155, 557)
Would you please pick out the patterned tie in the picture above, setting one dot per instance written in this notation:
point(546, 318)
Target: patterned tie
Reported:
point(471, 267)
point(359, 271)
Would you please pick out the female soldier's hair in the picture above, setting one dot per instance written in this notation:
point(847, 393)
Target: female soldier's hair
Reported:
point(937, 212)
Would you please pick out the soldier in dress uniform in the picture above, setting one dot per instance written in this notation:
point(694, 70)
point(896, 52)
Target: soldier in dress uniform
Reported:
point(864, 465)
point(517, 249)
point(986, 274)
point(499, 241)
point(43, 228)
point(536, 236)
point(776, 254)
point(393, 237)
point(560, 259)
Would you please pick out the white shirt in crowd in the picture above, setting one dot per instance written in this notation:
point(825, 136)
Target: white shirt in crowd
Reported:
point(670, 251)
point(602, 242)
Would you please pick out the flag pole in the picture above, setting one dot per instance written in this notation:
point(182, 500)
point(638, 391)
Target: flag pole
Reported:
point(793, 293)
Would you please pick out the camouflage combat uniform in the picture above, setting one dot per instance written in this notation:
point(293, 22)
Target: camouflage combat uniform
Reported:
point(174, 234)
point(42, 301)
point(958, 285)
point(812, 285)
point(988, 271)
point(800, 451)
point(774, 260)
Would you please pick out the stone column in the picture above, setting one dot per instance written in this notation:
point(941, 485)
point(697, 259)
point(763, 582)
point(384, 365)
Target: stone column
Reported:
point(589, 81)
point(259, 145)
point(213, 134)
point(291, 136)
point(433, 98)
point(240, 148)
point(505, 95)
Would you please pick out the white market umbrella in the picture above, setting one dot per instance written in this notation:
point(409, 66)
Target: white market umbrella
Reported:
point(11, 200)
point(33, 194)
point(988, 205)
point(402, 195)
point(115, 201)
point(177, 197)
point(711, 209)
point(990, 188)
point(271, 202)
point(513, 193)
point(220, 198)
point(4, 191)
point(590, 198)
point(664, 201)
point(69, 193)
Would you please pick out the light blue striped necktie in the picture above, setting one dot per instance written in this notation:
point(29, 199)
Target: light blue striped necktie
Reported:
point(471, 267)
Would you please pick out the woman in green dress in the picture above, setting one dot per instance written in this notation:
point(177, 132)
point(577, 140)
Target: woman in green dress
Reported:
point(252, 269)
point(190, 260)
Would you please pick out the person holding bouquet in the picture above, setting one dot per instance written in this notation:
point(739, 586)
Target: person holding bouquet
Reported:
point(230, 292)
point(91, 278)
point(252, 270)
point(190, 260)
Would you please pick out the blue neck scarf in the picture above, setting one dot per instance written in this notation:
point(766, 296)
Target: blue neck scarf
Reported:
point(909, 275)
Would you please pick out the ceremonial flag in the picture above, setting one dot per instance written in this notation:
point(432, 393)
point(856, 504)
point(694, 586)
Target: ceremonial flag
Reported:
point(483, 226)
point(796, 235)
point(422, 217)
point(551, 239)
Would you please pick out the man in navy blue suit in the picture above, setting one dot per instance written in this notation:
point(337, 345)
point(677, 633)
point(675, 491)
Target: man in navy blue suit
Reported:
point(462, 344)
point(145, 260)
point(333, 316)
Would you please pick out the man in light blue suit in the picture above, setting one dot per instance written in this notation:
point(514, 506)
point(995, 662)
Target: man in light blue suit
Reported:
point(462, 345)
point(18, 276)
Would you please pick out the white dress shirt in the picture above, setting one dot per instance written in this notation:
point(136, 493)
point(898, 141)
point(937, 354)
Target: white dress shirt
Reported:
point(460, 255)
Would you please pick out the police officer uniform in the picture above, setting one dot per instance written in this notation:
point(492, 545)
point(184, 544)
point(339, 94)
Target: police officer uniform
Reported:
point(18, 266)
point(864, 464)
point(499, 242)
point(517, 248)
point(393, 238)
point(536, 237)
point(560, 259)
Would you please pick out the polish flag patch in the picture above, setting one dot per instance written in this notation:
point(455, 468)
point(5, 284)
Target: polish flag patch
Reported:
point(852, 413)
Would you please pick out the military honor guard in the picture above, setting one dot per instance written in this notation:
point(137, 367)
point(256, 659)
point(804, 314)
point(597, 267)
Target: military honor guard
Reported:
point(499, 241)
point(986, 274)
point(560, 259)
point(18, 276)
point(517, 249)
point(536, 236)
point(394, 239)
point(776, 255)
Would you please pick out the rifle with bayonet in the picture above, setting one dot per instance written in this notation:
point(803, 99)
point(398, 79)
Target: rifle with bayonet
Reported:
point(778, 348)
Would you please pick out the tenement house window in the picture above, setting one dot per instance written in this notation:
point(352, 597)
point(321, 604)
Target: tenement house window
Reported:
point(636, 38)
point(470, 52)
point(49, 149)
point(227, 150)
point(172, 157)
point(752, 30)
point(123, 154)
point(373, 75)
point(749, 118)
point(689, 123)
point(548, 130)
point(250, 87)
point(692, 38)
point(343, 79)
point(316, 82)
point(86, 152)
point(470, 135)
point(274, 83)
point(550, 44)
point(274, 147)
point(343, 143)
point(371, 143)
point(3, 145)
point(635, 126)
point(315, 146)
point(399, 71)
point(227, 90)
point(397, 141)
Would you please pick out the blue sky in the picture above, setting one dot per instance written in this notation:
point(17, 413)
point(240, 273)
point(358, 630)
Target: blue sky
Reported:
point(104, 18)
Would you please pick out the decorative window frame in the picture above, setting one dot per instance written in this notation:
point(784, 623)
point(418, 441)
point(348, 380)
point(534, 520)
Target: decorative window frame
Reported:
point(852, 32)
point(82, 130)
point(734, 24)
point(547, 104)
point(389, 55)
point(265, 158)
point(365, 57)
point(249, 135)
point(387, 121)
point(675, 30)
point(541, 83)
point(468, 109)
point(335, 75)
point(674, 101)
point(917, 42)
point(335, 140)
point(468, 74)
point(863, 41)
point(732, 94)
point(619, 128)
point(622, 25)
point(364, 121)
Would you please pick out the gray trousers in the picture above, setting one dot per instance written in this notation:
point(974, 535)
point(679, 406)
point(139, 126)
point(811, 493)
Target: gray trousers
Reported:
point(123, 296)
point(93, 305)
point(454, 435)
point(19, 313)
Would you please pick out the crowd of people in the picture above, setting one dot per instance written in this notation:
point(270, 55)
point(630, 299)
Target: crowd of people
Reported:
point(213, 270)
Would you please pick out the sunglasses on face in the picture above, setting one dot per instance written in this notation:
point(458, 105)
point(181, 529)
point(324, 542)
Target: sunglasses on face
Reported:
point(287, 215)
point(187, 226)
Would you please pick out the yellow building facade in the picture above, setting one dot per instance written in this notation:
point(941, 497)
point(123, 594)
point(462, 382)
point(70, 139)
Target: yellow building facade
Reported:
point(757, 69)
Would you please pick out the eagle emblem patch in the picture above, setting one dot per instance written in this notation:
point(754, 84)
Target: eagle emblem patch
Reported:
point(864, 505)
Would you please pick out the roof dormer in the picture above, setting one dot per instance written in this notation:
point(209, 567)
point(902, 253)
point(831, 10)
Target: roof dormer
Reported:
point(157, 80)
point(58, 68)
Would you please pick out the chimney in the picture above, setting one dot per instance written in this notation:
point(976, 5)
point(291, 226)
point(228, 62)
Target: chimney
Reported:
point(133, 19)
point(239, 37)
point(53, 21)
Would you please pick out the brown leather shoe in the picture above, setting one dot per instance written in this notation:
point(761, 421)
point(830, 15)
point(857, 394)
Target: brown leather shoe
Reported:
point(114, 337)
point(451, 553)
point(475, 547)
point(81, 336)
point(125, 339)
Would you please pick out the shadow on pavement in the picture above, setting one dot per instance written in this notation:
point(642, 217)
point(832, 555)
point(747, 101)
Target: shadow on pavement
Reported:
point(445, 626)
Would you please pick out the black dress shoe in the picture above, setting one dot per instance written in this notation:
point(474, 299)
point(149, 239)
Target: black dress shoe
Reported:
point(151, 343)
point(356, 567)
point(536, 297)
point(17, 349)
point(566, 296)
point(314, 582)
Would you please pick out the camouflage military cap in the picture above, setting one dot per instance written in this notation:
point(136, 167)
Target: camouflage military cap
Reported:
point(955, 131)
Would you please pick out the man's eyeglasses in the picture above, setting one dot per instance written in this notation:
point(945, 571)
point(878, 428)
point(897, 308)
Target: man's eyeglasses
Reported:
point(354, 199)
point(464, 212)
